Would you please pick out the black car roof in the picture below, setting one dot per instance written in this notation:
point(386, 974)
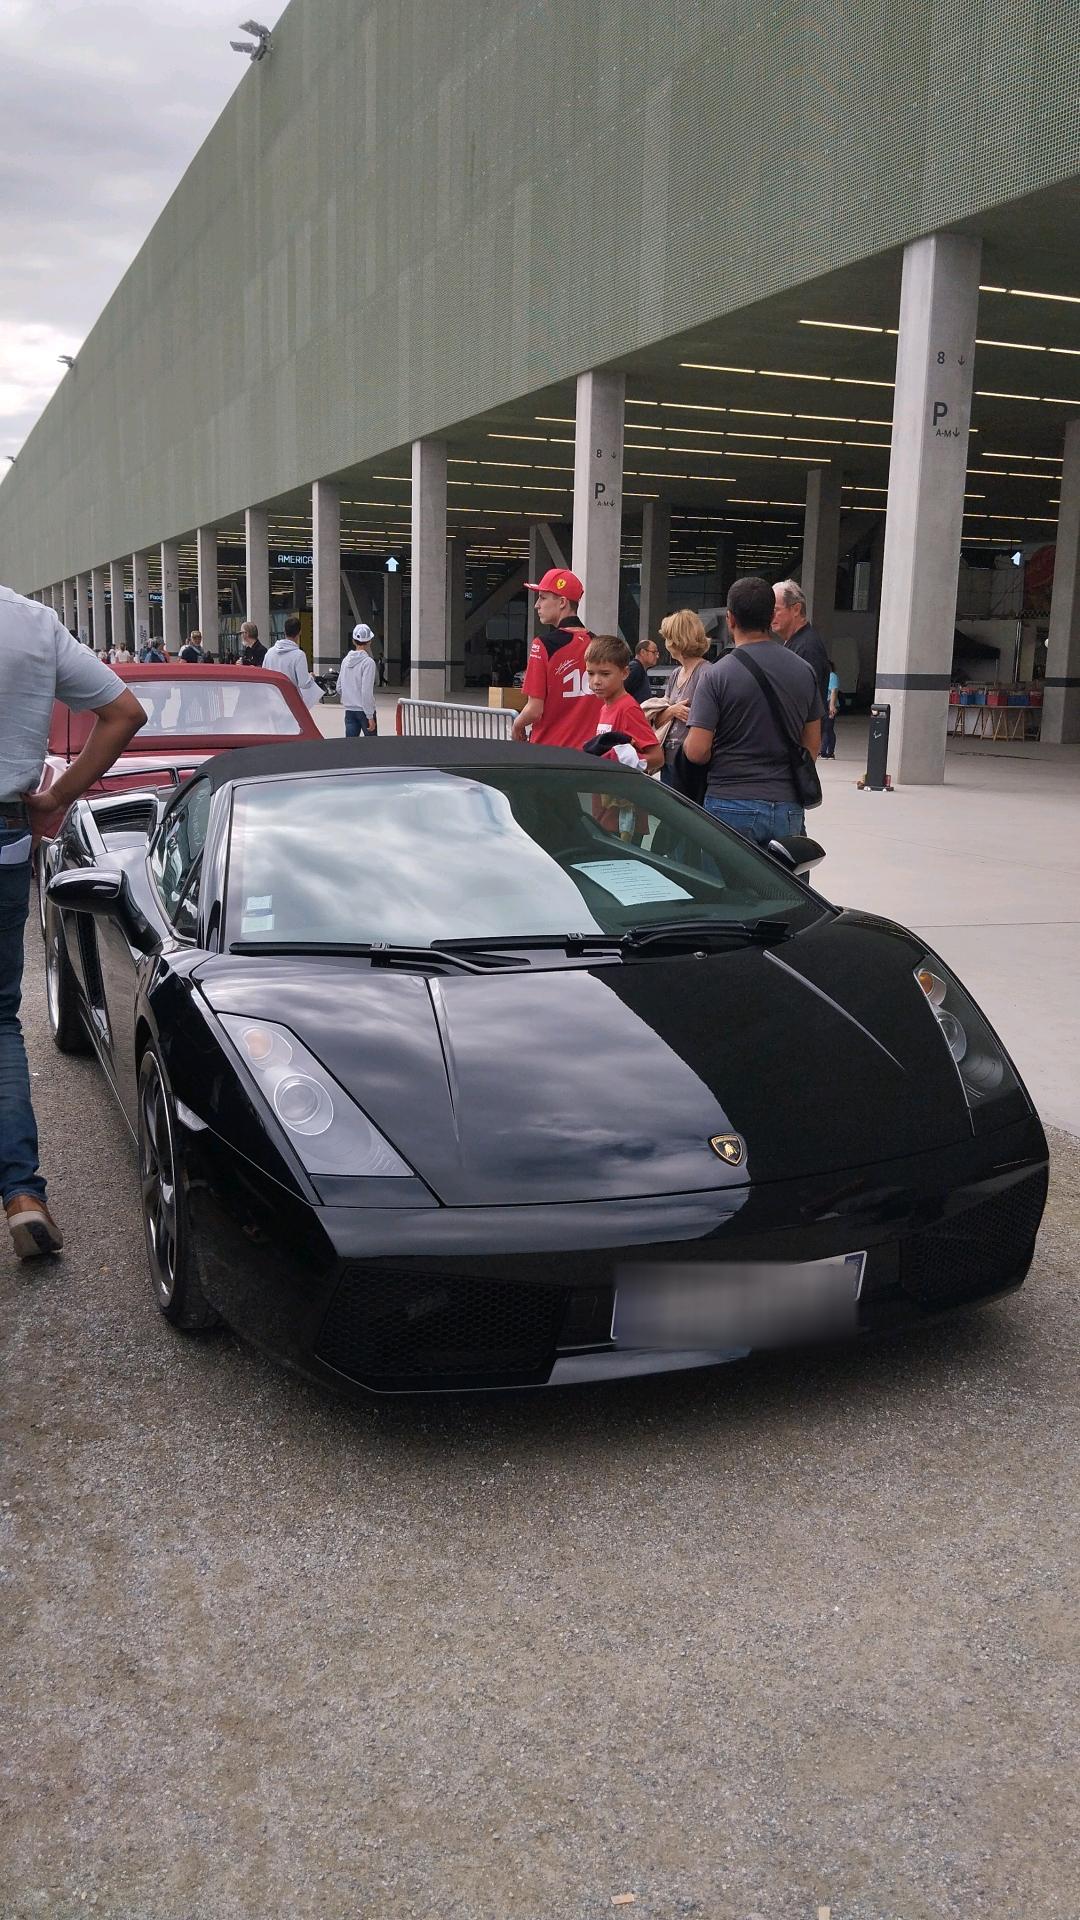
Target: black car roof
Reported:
point(375, 756)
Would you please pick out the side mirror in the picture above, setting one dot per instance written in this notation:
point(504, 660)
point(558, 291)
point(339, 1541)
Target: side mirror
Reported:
point(107, 895)
point(796, 852)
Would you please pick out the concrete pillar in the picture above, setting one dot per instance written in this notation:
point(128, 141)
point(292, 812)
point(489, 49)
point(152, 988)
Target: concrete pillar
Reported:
point(598, 491)
point(326, 574)
point(170, 596)
point(117, 605)
point(392, 627)
point(257, 570)
point(140, 585)
point(82, 607)
point(655, 547)
point(935, 354)
point(97, 606)
point(1061, 701)
point(68, 591)
point(428, 625)
point(457, 554)
point(207, 565)
point(821, 546)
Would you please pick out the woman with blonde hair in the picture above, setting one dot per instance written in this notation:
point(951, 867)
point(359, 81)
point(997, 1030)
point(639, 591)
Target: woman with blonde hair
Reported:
point(687, 642)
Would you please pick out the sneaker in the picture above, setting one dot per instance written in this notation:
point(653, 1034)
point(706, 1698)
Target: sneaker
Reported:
point(33, 1229)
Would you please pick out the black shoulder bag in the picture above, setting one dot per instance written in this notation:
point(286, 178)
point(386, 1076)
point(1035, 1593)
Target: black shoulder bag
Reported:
point(803, 771)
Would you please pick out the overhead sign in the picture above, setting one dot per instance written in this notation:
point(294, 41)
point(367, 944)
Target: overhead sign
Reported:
point(290, 559)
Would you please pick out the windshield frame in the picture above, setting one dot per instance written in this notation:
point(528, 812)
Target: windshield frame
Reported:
point(800, 895)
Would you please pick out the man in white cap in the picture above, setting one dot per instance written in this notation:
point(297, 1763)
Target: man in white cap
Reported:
point(357, 676)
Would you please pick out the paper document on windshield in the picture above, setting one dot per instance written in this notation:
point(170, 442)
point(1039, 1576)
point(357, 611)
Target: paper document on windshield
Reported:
point(631, 882)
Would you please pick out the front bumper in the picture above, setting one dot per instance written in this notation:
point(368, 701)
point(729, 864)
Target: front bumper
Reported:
point(451, 1299)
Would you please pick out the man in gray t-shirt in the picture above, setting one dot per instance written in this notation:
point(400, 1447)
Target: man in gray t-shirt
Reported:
point(40, 662)
point(732, 730)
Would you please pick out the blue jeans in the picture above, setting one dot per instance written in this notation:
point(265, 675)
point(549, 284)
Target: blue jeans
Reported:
point(757, 820)
point(18, 1128)
point(356, 723)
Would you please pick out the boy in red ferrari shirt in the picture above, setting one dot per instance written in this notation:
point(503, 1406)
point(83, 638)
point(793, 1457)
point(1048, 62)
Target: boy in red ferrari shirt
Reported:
point(607, 662)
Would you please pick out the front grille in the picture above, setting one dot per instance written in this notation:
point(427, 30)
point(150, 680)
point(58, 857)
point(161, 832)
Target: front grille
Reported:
point(975, 1252)
point(398, 1326)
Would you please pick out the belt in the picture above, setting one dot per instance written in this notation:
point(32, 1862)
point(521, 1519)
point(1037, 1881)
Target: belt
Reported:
point(13, 813)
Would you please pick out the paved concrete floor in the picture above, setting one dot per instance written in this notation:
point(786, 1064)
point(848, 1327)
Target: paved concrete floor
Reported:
point(793, 1636)
point(987, 867)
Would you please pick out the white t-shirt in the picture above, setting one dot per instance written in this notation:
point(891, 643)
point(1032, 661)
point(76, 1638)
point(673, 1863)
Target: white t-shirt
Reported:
point(40, 661)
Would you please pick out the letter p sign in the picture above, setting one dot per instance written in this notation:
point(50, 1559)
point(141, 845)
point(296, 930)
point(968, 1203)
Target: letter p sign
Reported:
point(599, 490)
point(940, 410)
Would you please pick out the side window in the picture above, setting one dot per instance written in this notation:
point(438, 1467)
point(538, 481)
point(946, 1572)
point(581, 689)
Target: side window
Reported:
point(177, 849)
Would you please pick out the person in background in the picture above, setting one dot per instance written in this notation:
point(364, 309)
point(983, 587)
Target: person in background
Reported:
point(638, 684)
point(288, 657)
point(123, 656)
point(39, 662)
point(791, 625)
point(732, 731)
point(559, 707)
point(153, 654)
point(607, 659)
point(192, 653)
point(687, 642)
point(357, 677)
point(828, 724)
point(252, 651)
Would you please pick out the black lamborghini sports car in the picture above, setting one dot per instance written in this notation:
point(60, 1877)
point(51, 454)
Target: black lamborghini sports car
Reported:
point(458, 1065)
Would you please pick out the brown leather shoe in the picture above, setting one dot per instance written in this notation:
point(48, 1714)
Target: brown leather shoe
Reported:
point(33, 1228)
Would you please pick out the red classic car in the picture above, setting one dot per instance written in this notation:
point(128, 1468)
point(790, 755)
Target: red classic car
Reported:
point(191, 714)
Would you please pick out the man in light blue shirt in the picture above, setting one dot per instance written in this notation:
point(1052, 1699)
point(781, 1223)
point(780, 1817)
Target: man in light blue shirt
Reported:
point(288, 657)
point(40, 661)
point(356, 685)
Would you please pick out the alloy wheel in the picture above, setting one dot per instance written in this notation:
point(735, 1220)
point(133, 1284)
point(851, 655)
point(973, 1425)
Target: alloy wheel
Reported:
point(157, 1171)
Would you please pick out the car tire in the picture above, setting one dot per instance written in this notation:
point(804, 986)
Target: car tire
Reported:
point(61, 989)
point(170, 1249)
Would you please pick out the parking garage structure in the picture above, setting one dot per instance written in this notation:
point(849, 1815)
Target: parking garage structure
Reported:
point(712, 293)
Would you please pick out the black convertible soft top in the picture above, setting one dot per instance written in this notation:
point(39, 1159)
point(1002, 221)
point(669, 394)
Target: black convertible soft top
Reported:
point(376, 756)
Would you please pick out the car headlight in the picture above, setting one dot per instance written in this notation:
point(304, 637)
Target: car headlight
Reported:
point(327, 1129)
point(984, 1071)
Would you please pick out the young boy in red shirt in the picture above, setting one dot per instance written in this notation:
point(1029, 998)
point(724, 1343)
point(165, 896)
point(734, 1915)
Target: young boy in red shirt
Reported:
point(607, 662)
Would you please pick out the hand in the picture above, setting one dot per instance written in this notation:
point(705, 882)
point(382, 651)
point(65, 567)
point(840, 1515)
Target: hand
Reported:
point(42, 808)
point(517, 731)
point(679, 710)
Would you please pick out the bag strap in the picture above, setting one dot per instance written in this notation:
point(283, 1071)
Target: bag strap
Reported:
point(794, 747)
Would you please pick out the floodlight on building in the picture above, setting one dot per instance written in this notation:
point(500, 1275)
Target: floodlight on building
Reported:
point(259, 46)
point(64, 360)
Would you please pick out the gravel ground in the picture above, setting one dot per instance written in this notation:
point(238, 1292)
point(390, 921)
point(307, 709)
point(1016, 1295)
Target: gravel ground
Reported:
point(789, 1637)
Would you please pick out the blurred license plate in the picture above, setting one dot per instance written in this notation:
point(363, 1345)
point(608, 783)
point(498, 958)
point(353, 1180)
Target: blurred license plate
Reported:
point(673, 1307)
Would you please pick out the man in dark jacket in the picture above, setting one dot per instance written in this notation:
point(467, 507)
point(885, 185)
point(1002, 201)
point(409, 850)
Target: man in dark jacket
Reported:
point(791, 625)
point(252, 651)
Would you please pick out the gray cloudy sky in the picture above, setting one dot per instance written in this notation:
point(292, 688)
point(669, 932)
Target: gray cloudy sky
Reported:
point(102, 103)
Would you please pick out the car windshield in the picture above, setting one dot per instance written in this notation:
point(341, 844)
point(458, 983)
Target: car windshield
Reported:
point(189, 705)
point(412, 857)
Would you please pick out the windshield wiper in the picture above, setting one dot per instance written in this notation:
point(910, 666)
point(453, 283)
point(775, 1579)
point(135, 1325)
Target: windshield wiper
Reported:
point(703, 933)
point(550, 942)
point(380, 952)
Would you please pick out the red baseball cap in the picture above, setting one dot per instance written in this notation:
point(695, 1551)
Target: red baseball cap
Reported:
point(558, 580)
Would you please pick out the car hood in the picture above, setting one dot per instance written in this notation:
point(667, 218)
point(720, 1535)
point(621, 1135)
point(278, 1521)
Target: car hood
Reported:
point(608, 1082)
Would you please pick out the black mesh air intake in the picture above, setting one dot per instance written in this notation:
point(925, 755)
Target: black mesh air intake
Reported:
point(975, 1252)
point(400, 1327)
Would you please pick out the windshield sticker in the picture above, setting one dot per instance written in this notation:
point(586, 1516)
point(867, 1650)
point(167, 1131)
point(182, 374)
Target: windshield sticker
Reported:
point(631, 882)
point(259, 903)
point(257, 923)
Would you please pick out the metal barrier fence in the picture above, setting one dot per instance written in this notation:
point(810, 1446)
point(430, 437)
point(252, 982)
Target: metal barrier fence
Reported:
point(442, 720)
